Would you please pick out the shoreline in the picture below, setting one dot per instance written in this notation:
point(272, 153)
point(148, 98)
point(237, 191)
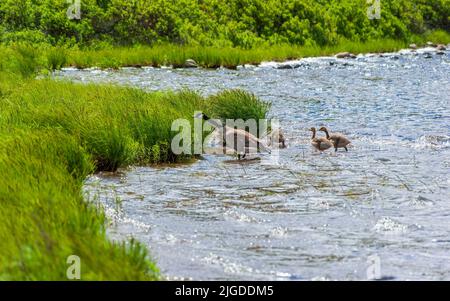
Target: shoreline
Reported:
point(54, 134)
point(286, 64)
point(64, 132)
point(28, 60)
point(184, 57)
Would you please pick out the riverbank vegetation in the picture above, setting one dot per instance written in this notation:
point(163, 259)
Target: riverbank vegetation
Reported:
point(45, 58)
point(53, 134)
point(233, 23)
point(214, 33)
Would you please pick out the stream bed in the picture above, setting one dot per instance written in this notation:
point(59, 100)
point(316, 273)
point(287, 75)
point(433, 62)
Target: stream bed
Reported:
point(312, 216)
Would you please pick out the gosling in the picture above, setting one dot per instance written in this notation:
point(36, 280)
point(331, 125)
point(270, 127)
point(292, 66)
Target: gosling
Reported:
point(338, 139)
point(277, 136)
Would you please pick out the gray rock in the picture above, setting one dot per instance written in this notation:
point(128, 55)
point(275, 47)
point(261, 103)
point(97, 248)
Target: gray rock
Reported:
point(289, 66)
point(345, 55)
point(431, 44)
point(441, 47)
point(190, 63)
point(413, 46)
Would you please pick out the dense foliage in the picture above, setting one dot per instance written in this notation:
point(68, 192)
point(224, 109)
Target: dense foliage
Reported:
point(243, 23)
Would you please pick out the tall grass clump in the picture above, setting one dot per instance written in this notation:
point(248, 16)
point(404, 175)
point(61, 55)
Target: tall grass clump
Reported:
point(56, 57)
point(238, 104)
point(26, 59)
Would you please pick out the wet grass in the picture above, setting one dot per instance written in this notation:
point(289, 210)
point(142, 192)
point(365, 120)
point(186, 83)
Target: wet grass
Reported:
point(52, 136)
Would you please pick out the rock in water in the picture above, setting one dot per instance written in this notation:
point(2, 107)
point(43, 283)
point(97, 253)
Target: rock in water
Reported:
point(413, 46)
point(345, 55)
point(289, 66)
point(190, 63)
point(431, 44)
point(441, 47)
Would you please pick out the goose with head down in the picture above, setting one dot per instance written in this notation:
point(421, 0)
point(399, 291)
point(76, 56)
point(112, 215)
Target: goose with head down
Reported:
point(321, 143)
point(338, 139)
point(243, 142)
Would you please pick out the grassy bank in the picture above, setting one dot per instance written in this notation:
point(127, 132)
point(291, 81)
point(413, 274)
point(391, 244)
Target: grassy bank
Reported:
point(212, 57)
point(228, 57)
point(52, 135)
point(28, 59)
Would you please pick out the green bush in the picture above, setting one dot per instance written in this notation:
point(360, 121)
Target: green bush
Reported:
point(218, 23)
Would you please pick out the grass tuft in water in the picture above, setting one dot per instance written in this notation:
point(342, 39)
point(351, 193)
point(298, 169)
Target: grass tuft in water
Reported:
point(234, 104)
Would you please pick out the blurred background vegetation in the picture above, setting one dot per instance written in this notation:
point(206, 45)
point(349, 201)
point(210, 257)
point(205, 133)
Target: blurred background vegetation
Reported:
point(219, 23)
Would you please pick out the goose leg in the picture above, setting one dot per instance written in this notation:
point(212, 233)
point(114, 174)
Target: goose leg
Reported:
point(346, 149)
point(336, 145)
point(239, 157)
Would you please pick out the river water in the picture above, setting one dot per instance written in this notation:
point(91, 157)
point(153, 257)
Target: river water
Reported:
point(383, 204)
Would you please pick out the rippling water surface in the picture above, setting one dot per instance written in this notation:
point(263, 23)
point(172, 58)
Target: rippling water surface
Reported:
point(313, 216)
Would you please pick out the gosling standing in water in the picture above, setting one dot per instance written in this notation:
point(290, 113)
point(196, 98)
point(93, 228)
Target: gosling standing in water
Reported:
point(338, 139)
point(277, 136)
point(322, 143)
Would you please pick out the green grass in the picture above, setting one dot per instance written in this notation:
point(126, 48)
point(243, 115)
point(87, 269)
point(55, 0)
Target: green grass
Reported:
point(53, 134)
point(45, 219)
point(210, 57)
point(50, 58)
point(228, 57)
point(231, 103)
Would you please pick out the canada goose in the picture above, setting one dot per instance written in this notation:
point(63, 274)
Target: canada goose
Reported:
point(321, 143)
point(244, 142)
point(277, 136)
point(338, 139)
